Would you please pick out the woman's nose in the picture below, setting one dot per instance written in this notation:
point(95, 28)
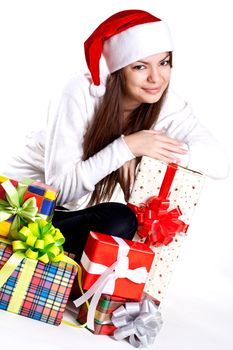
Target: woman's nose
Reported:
point(154, 75)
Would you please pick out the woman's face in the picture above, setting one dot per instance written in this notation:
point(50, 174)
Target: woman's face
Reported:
point(146, 80)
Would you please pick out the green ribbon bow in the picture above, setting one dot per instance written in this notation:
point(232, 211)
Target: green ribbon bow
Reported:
point(13, 206)
point(40, 240)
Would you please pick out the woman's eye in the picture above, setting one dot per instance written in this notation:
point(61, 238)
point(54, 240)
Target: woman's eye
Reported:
point(139, 67)
point(165, 63)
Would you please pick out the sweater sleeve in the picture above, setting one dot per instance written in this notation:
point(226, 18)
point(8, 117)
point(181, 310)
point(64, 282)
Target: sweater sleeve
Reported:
point(64, 167)
point(206, 155)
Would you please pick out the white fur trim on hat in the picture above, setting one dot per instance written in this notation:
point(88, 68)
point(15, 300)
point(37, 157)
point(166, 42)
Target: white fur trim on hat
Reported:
point(135, 43)
point(97, 90)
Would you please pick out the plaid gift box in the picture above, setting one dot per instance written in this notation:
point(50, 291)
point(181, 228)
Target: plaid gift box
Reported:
point(75, 290)
point(48, 289)
point(45, 199)
point(102, 323)
point(164, 189)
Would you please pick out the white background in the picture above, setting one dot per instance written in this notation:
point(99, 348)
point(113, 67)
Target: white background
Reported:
point(40, 47)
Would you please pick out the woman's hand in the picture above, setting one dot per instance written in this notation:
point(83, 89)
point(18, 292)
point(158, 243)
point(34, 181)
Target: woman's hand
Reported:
point(127, 176)
point(155, 144)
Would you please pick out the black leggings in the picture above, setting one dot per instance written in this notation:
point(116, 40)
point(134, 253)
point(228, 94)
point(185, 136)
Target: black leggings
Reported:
point(114, 219)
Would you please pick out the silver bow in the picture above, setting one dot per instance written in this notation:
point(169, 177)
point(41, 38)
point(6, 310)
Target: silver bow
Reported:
point(140, 322)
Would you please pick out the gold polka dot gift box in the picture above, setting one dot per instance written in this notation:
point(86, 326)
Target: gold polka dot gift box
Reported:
point(164, 197)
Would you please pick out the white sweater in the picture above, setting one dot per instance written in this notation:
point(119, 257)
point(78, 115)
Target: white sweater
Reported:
point(54, 155)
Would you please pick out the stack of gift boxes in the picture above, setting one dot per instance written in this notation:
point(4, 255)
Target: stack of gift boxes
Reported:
point(29, 286)
point(121, 280)
point(163, 198)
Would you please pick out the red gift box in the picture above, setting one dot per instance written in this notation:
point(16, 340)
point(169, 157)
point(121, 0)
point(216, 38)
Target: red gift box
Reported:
point(130, 264)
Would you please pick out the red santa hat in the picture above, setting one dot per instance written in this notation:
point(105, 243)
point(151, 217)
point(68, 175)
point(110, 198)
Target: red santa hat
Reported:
point(124, 38)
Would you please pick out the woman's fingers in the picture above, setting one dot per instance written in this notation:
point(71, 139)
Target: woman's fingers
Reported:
point(160, 136)
point(169, 140)
point(154, 144)
point(132, 170)
point(166, 156)
point(172, 148)
point(127, 176)
point(167, 159)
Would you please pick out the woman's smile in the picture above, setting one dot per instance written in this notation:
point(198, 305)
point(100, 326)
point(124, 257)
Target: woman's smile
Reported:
point(152, 91)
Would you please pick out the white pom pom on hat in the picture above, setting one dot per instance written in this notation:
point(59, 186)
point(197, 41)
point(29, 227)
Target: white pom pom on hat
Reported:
point(97, 90)
point(124, 38)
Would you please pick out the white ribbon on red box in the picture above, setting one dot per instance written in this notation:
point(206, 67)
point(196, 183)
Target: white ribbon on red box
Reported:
point(106, 282)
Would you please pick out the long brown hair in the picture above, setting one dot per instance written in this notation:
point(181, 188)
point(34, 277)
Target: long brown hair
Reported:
point(108, 124)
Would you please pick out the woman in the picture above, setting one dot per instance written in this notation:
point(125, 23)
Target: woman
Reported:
point(99, 127)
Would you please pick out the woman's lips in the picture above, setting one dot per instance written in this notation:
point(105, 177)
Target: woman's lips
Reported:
point(152, 91)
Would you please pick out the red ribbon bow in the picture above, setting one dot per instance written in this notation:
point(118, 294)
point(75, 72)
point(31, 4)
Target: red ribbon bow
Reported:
point(156, 223)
